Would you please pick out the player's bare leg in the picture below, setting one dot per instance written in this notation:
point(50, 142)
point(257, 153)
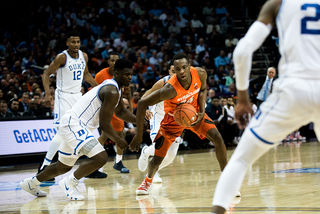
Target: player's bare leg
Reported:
point(118, 165)
point(53, 170)
point(221, 152)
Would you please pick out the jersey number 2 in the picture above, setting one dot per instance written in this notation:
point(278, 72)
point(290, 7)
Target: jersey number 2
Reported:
point(78, 76)
point(315, 18)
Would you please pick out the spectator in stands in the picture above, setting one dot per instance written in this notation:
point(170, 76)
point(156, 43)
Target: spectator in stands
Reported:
point(232, 90)
point(182, 9)
point(4, 109)
point(177, 49)
point(154, 59)
point(33, 108)
point(215, 111)
point(221, 10)
point(155, 11)
point(206, 11)
point(1, 94)
point(120, 42)
point(263, 85)
point(213, 85)
point(13, 107)
point(196, 23)
point(221, 59)
point(135, 99)
point(136, 28)
point(174, 28)
point(134, 5)
point(115, 34)
point(181, 22)
point(200, 47)
point(172, 40)
point(36, 97)
point(211, 94)
point(227, 24)
point(24, 103)
point(208, 66)
point(231, 42)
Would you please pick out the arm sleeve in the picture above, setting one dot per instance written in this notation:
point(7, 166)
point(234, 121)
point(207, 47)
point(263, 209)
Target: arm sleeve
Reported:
point(254, 38)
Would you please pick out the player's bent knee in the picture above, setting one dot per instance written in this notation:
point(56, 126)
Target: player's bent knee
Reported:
point(215, 136)
point(62, 168)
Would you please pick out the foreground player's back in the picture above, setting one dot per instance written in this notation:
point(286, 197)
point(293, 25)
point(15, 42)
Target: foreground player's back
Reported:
point(298, 23)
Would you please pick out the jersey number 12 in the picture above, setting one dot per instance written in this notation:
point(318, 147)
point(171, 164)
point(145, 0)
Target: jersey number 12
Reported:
point(306, 19)
point(77, 76)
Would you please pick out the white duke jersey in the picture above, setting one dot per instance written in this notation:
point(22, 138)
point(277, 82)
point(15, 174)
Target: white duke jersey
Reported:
point(70, 76)
point(298, 23)
point(87, 109)
point(159, 107)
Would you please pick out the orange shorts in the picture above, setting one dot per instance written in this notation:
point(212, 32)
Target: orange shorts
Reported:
point(169, 132)
point(117, 124)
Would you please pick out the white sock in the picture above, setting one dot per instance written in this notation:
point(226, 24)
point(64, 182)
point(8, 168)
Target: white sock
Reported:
point(118, 158)
point(171, 154)
point(35, 181)
point(71, 177)
point(54, 146)
point(247, 152)
point(150, 150)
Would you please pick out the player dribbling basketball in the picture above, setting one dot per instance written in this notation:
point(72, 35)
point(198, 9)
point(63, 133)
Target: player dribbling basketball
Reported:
point(187, 86)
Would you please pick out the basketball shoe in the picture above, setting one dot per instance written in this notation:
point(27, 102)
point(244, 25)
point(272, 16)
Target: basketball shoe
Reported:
point(156, 178)
point(144, 187)
point(119, 166)
point(69, 187)
point(143, 160)
point(29, 186)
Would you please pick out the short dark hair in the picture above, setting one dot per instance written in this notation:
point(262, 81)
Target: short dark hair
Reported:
point(14, 99)
point(122, 64)
point(215, 97)
point(3, 101)
point(171, 63)
point(73, 33)
point(114, 53)
point(180, 56)
point(25, 93)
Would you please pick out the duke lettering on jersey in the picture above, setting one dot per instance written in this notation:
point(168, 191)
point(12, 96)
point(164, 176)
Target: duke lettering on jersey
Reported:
point(70, 76)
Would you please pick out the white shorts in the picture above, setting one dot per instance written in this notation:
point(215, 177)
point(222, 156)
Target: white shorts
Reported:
point(293, 103)
point(155, 122)
point(75, 136)
point(63, 102)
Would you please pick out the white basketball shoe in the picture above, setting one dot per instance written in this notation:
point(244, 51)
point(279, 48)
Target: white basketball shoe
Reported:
point(143, 160)
point(69, 187)
point(28, 186)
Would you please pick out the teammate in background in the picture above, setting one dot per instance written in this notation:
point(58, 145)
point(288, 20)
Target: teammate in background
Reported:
point(117, 124)
point(187, 86)
point(94, 109)
point(71, 67)
point(296, 88)
point(155, 117)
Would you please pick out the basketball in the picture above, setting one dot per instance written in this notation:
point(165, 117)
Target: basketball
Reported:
point(185, 114)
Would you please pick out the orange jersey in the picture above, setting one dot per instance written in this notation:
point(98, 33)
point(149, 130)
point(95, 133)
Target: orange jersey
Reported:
point(184, 95)
point(117, 123)
point(103, 75)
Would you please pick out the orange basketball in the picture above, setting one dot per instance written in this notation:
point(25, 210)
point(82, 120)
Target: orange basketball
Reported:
point(185, 114)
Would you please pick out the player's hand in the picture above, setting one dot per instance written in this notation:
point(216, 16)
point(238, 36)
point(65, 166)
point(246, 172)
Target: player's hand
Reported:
point(48, 98)
point(126, 90)
point(135, 143)
point(198, 120)
point(122, 143)
point(149, 115)
point(242, 112)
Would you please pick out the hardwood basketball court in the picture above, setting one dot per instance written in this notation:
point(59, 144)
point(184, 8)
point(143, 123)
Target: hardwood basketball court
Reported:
point(285, 180)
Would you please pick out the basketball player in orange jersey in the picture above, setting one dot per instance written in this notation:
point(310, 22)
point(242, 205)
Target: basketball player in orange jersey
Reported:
point(188, 85)
point(117, 124)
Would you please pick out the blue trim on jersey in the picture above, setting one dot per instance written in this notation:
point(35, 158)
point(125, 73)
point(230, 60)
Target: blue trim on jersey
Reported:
point(255, 134)
point(153, 133)
point(66, 60)
point(87, 106)
point(48, 160)
point(166, 78)
point(64, 153)
point(114, 84)
point(93, 115)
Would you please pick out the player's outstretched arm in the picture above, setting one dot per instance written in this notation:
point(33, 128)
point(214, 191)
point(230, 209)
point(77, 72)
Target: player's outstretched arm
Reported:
point(87, 76)
point(202, 95)
point(109, 97)
point(124, 114)
point(253, 39)
point(165, 93)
